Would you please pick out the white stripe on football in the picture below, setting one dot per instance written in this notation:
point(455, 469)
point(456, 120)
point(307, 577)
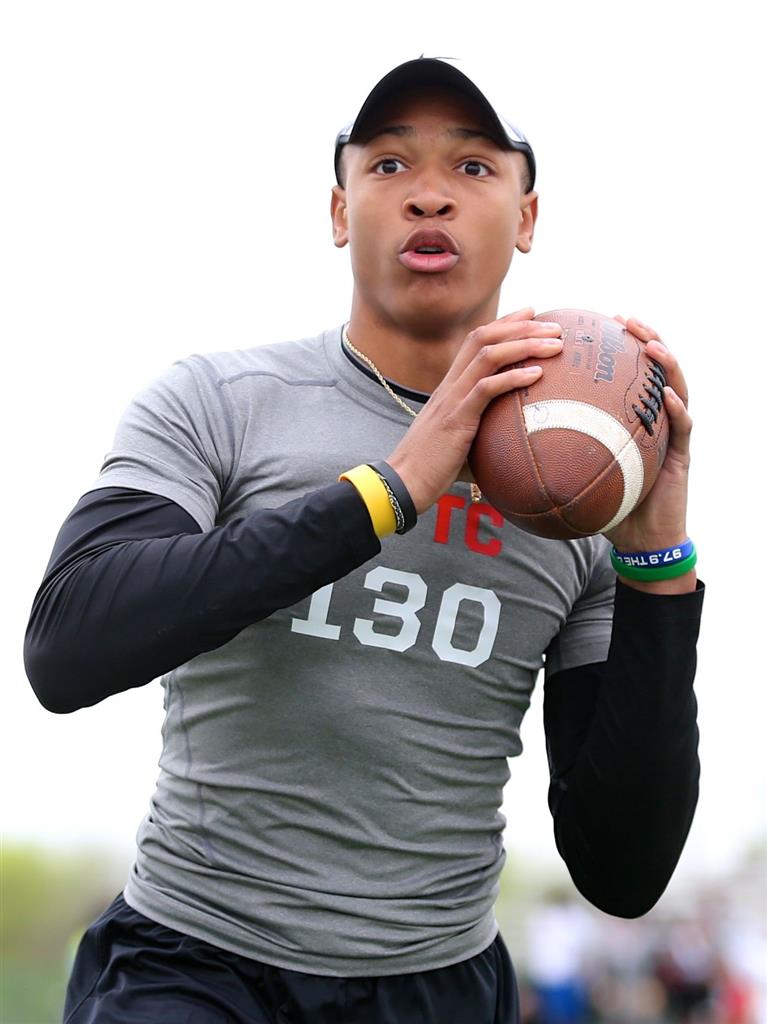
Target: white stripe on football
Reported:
point(588, 419)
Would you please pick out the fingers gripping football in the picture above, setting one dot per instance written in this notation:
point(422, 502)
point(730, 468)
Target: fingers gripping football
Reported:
point(675, 393)
point(661, 519)
point(433, 451)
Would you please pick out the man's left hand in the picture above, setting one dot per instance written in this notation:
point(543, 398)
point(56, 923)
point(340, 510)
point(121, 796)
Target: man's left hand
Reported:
point(660, 520)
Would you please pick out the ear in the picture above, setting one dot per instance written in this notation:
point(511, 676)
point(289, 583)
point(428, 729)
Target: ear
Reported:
point(338, 216)
point(528, 214)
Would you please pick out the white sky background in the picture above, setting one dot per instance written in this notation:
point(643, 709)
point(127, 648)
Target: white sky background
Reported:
point(167, 171)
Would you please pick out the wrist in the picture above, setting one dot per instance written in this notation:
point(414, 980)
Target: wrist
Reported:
point(413, 481)
point(401, 501)
point(373, 493)
point(647, 540)
point(666, 570)
point(385, 496)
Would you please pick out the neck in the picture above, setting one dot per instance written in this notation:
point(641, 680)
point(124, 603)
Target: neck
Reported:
point(415, 354)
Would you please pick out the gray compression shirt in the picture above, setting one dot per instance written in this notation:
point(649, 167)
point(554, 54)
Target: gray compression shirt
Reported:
point(331, 778)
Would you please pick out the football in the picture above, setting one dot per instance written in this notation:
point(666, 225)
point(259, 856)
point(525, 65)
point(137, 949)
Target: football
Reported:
point(575, 452)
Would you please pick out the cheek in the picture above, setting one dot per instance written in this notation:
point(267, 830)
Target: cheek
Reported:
point(500, 233)
point(370, 242)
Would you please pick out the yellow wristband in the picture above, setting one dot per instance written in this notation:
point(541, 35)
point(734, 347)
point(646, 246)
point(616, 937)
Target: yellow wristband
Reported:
point(372, 491)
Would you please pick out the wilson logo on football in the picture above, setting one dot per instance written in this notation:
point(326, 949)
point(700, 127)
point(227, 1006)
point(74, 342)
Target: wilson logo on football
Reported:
point(611, 343)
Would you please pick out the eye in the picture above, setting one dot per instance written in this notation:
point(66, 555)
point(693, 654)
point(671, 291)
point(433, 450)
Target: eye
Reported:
point(387, 164)
point(476, 169)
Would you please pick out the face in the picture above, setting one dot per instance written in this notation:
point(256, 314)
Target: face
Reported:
point(437, 170)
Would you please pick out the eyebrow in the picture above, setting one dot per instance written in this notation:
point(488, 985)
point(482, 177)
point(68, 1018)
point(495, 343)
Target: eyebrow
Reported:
point(408, 130)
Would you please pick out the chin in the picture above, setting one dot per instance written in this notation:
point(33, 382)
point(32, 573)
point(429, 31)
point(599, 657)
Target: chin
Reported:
point(441, 311)
point(430, 323)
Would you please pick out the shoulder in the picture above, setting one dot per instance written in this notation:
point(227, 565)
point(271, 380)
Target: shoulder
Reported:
point(209, 380)
point(302, 360)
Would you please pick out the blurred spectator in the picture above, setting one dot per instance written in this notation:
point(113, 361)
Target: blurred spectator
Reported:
point(559, 939)
point(624, 990)
point(686, 965)
point(700, 957)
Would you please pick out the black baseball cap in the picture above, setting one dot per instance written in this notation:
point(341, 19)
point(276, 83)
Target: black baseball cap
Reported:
point(431, 71)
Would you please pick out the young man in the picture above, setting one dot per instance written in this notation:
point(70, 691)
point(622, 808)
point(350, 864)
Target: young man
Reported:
point(325, 841)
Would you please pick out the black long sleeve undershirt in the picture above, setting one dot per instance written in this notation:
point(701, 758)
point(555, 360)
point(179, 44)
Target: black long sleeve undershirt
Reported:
point(134, 589)
point(622, 743)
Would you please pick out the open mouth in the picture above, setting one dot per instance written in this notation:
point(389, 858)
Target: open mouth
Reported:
point(429, 250)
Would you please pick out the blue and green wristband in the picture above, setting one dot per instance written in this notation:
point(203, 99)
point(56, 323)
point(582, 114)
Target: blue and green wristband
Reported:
point(664, 564)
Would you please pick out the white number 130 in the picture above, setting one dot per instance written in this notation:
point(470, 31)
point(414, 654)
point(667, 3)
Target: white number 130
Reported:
point(316, 622)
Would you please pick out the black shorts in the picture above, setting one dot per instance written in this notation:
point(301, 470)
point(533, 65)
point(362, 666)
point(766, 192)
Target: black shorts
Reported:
point(131, 969)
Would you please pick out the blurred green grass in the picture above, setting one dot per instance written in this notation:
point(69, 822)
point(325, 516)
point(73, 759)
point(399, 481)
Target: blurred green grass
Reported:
point(47, 898)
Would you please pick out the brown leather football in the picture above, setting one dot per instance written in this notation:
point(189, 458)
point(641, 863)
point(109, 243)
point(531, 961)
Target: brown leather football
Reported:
point(579, 449)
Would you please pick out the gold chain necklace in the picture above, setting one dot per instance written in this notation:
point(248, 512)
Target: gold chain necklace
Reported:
point(476, 494)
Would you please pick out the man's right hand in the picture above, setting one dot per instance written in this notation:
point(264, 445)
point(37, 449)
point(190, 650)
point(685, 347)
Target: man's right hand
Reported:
point(431, 455)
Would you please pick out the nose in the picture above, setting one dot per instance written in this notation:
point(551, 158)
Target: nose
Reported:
point(429, 197)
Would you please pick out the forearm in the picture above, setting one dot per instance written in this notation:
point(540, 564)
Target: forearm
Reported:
point(115, 613)
point(623, 807)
